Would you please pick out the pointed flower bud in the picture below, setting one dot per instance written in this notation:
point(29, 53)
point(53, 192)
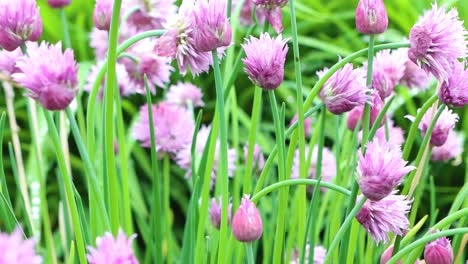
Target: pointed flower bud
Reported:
point(58, 3)
point(215, 212)
point(264, 61)
point(102, 14)
point(371, 17)
point(247, 223)
point(50, 75)
point(438, 251)
point(20, 21)
point(387, 255)
point(211, 25)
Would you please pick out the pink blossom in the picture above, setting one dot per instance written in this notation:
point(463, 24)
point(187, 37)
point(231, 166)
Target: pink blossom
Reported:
point(371, 17)
point(184, 94)
point(247, 225)
point(14, 249)
point(454, 91)
point(452, 148)
point(215, 212)
point(112, 250)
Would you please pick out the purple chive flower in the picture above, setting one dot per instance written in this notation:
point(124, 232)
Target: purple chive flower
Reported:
point(102, 14)
point(271, 11)
point(443, 126)
point(173, 127)
point(258, 159)
point(328, 165)
point(185, 94)
point(453, 92)
point(123, 80)
point(151, 14)
point(345, 89)
point(395, 134)
point(319, 255)
point(438, 251)
point(452, 148)
point(215, 212)
point(245, 16)
point(437, 40)
point(387, 255)
point(388, 70)
point(307, 124)
point(415, 77)
point(371, 17)
point(58, 3)
point(384, 216)
point(112, 250)
point(20, 21)
point(50, 75)
point(211, 25)
point(357, 114)
point(264, 61)
point(99, 41)
point(381, 169)
point(17, 250)
point(247, 223)
point(184, 157)
point(8, 61)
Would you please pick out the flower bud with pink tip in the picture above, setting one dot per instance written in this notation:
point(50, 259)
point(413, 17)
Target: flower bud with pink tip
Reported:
point(247, 223)
point(102, 14)
point(371, 17)
point(58, 3)
point(438, 251)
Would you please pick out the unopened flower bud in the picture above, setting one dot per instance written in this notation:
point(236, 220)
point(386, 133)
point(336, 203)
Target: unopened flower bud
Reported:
point(371, 17)
point(247, 223)
point(102, 14)
point(438, 251)
point(58, 3)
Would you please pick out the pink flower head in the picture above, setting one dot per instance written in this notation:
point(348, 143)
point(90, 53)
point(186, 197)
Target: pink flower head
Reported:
point(20, 21)
point(8, 61)
point(328, 165)
point(264, 61)
point(415, 77)
point(102, 14)
point(387, 255)
point(184, 94)
point(150, 15)
point(389, 68)
point(452, 148)
point(14, 249)
point(58, 3)
point(437, 41)
point(184, 157)
point(386, 215)
point(215, 212)
point(112, 250)
point(247, 223)
point(358, 113)
point(453, 92)
point(99, 41)
point(319, 255)
point(381, 169)
point(271, 11)
point(443, 126)
point(371, 17)
point(123, 79)
point(50, 75)
point(438, 251)
point(395, 134)
point(307, 124)
point(173, 127)
point(258, 159)
point(157, 69)
point(345, 89)
point(245, 16)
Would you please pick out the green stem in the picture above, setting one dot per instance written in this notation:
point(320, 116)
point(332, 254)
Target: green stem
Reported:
point(424, 240)
point(66, 32)
point(222, 173)
point(249, 253)
point(252, 136)
point(167, 204)
point(68, 185)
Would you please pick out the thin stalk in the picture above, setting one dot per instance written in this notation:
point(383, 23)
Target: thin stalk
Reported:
point(252, 136)
point(66, 32)
point(109, 155)
point(167, 204)
point(68, 185)
point(249, 255)
point(62, 124)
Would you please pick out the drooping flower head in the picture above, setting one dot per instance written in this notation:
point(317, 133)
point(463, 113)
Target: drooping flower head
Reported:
point(443, 126)
point(264, 61)
point(123, 80)
point(271, 11)
point(384, 216)
point(453, 92)
point(345, 89)
point(112, 250)
point(437, 40)
point(247, 225)
point(184, 94)
point(328, 165)
point(173, 127)
point(103, 14)
point(319, 255)
point(388, 70)
point(20, 21)
point(215, 212)
point(14, 249)
point(357, 114)
point(452, 148)
point(50, 75)
point(150, 14)
point(307, 124)
point(381, 169)
point(245, 16)
point(371, 17)
point(438, 251)
point(8, 61)
point(258, 159)
point(58, 3)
